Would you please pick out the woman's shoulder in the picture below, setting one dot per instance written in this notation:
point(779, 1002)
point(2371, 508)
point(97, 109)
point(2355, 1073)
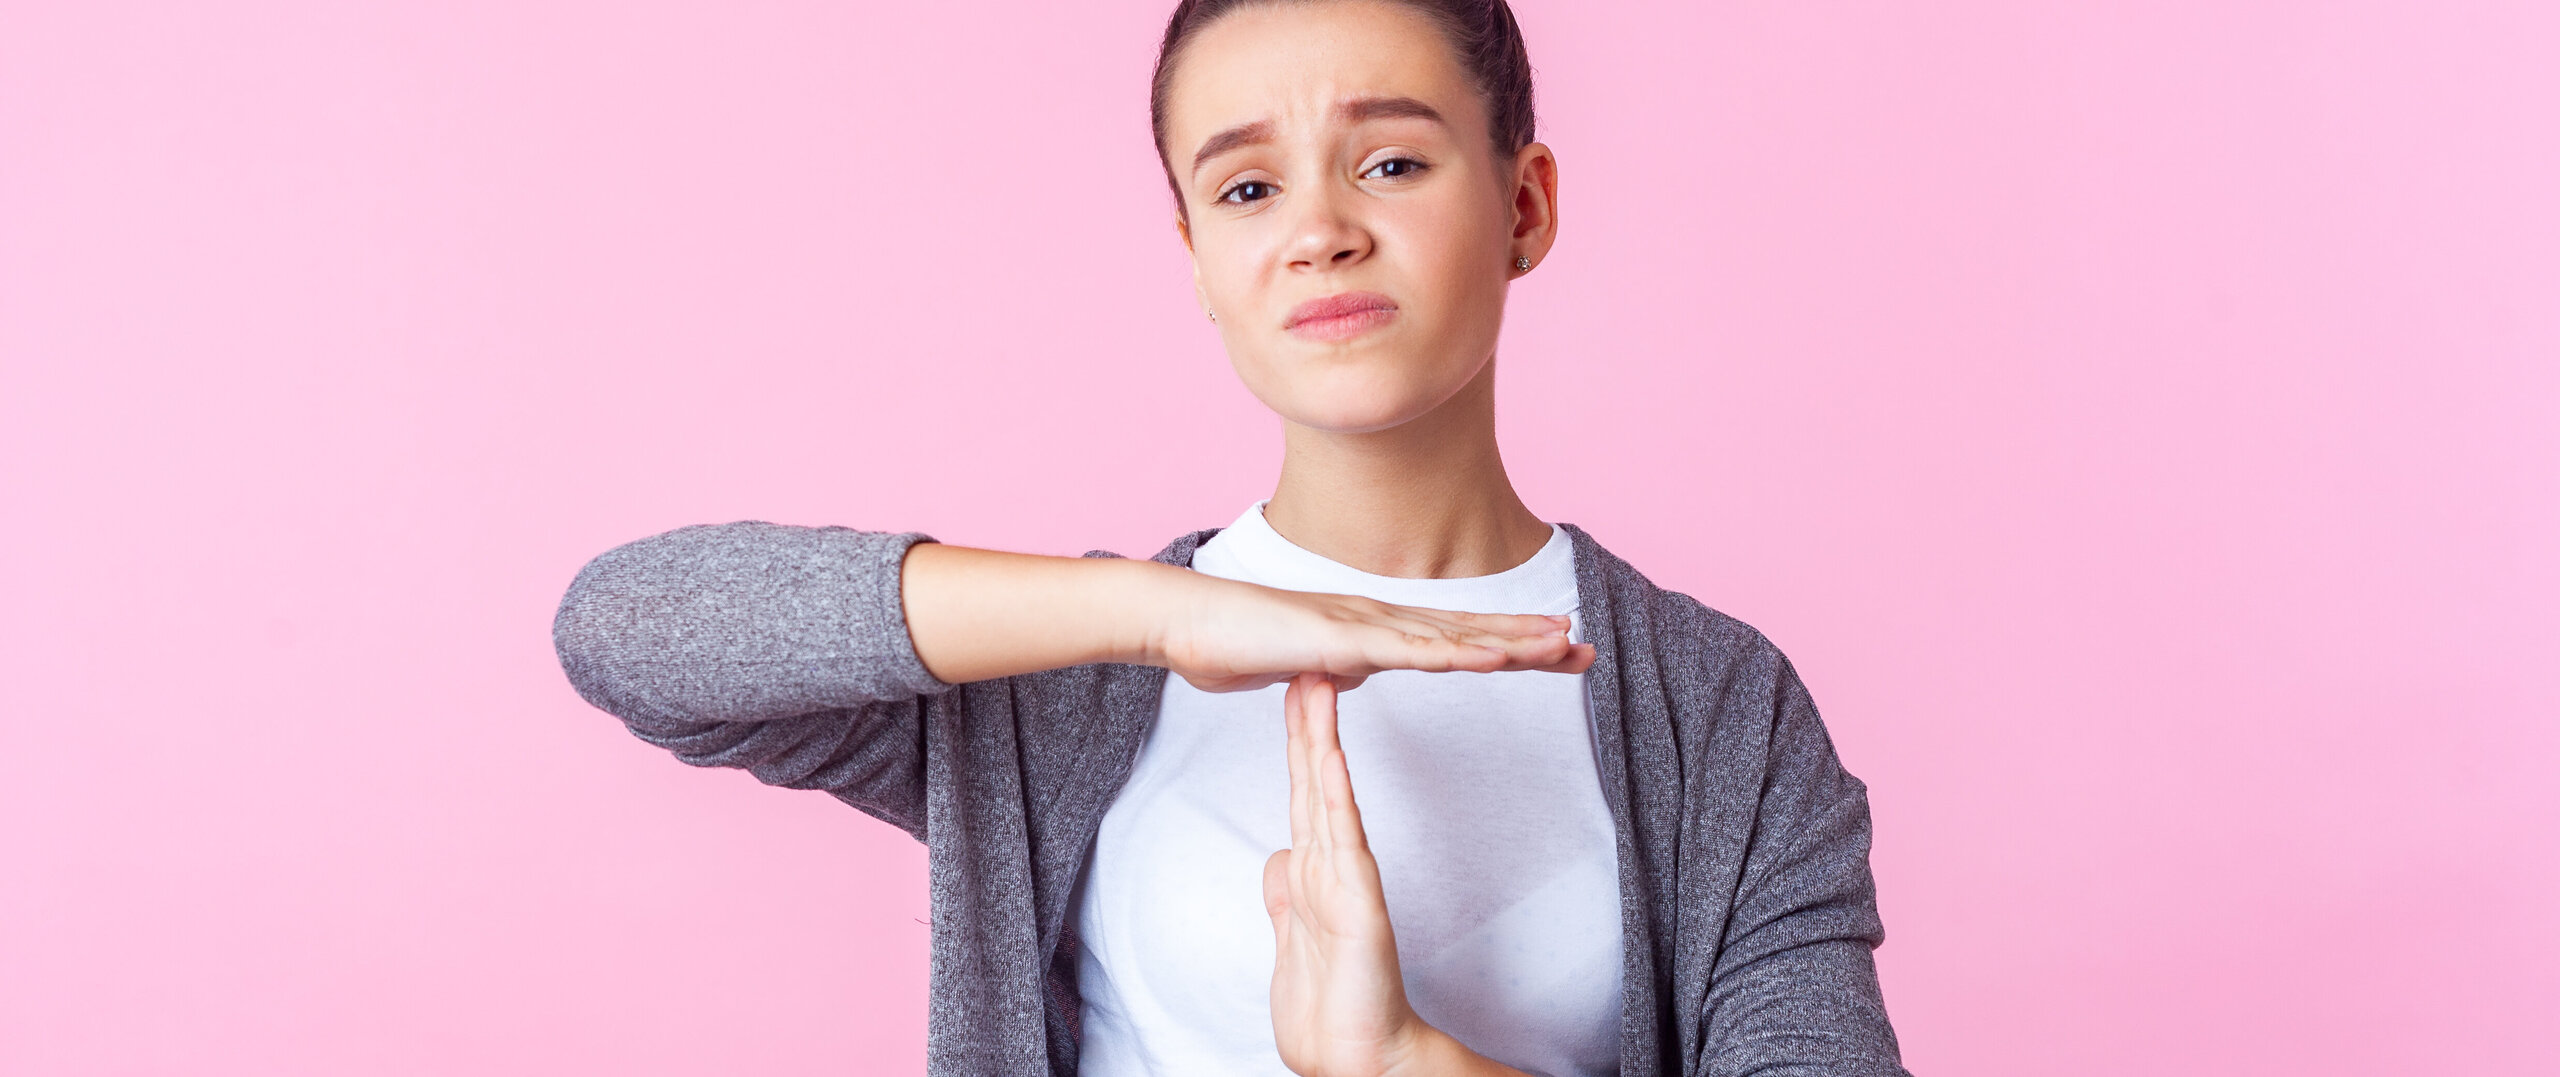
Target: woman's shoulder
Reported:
point(1177, 552)
point(1716, 682)
point(1690, 642)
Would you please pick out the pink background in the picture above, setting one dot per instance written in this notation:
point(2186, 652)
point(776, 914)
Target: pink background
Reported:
point(2137, 420)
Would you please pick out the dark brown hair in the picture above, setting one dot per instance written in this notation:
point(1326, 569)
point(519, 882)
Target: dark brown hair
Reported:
point(1482, 33)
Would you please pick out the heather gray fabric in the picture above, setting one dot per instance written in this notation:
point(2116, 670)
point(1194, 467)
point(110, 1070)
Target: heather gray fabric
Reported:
point(1749, 910)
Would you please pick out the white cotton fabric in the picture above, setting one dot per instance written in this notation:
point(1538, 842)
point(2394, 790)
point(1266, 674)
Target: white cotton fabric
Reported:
point(1481, 796)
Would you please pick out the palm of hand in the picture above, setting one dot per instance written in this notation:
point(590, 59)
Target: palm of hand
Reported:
point(1338, 1006)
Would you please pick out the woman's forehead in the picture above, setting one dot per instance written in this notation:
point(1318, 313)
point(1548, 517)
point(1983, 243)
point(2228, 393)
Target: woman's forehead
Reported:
point(1307, 65)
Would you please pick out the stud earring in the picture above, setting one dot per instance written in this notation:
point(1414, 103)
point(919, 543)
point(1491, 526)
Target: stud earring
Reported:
point(1521, 262)
point(1213, 315)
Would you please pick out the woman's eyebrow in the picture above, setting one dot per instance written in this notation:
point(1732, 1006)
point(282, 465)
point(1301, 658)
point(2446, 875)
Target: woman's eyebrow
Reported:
point(1354, 110)
point(1363, 109)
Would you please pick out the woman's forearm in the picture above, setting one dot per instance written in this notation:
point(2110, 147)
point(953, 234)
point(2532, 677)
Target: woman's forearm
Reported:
point(977, 614)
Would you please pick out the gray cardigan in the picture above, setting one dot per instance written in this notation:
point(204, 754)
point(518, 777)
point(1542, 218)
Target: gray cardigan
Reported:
point(1749, 912)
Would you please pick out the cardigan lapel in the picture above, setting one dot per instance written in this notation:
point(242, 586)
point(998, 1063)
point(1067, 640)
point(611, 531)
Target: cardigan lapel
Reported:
point(1125, 706)
point(1606, 685)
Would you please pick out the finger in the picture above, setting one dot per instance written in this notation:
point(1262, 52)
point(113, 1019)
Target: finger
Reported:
point(1354, 868)
point(1519, 652)
point(1578, 660)
point(1498, 624)
point(1417, 647)
point(1275, 893)
point(1301, 795)
point(1324, 742)
point(1235, 682)
point(1323, 719)
point(1341, 808)
point(1313, 733)
point(1494, 628)
point(1443, 648)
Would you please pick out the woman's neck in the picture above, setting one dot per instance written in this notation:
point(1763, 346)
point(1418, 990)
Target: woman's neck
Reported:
point(1425, 499)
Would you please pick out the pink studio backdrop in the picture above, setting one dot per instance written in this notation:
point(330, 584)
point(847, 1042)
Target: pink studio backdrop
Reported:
point(2138, 421)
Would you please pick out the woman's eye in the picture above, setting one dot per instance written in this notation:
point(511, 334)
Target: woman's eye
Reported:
point(1251, 190)
point(1256, 190)
point(1397, 166)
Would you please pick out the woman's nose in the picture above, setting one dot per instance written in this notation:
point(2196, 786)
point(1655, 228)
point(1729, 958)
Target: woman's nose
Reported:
point(1326, 234)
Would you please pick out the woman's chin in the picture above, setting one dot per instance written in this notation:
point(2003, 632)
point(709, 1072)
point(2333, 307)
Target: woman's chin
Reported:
point(1358, 413)
point(1357, 398)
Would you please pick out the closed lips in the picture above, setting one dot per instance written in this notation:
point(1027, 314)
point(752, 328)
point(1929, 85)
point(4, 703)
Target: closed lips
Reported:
point(1337, 306)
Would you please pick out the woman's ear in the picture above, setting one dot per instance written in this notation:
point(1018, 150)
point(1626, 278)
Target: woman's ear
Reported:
point(1199, 290)
point(1533, 204)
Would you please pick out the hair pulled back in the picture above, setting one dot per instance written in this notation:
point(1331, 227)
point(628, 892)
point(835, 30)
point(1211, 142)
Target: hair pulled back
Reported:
point(1482, 33)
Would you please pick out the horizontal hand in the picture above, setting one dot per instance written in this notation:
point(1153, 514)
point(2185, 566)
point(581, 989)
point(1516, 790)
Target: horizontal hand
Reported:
point(1226, 636)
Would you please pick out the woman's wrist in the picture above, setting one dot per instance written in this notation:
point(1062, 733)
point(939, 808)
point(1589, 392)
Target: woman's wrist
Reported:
point(1434, 1053)
point(1138, 602)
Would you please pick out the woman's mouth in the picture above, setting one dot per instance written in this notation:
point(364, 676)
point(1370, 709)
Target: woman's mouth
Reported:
point(1340, 317)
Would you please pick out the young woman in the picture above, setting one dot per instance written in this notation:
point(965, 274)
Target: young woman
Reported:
point(1599, 827)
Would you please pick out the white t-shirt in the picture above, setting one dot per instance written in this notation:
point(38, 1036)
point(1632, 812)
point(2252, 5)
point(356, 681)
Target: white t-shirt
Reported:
point(1481, 795)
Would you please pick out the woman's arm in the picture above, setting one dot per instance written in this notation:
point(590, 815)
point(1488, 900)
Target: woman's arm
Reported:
point(806, 655)
point(1794, 987)
point(741, 622)
point(774, 649)
point(749, 621)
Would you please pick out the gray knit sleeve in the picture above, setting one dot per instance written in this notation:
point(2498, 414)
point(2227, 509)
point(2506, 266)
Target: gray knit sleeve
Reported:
point(777, 649)
point(1794, 990)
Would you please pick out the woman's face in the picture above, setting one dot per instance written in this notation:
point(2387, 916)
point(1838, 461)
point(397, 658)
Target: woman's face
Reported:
point(1349, 223)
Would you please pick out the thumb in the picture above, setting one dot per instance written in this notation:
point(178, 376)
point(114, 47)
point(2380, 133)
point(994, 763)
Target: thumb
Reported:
point(1275, 892)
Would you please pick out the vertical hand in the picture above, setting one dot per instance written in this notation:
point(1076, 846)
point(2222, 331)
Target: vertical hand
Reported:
point(1338, 1006)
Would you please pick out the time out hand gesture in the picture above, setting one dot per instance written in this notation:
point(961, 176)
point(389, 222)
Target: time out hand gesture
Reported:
point(981, 614)
point(1338, 1006)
